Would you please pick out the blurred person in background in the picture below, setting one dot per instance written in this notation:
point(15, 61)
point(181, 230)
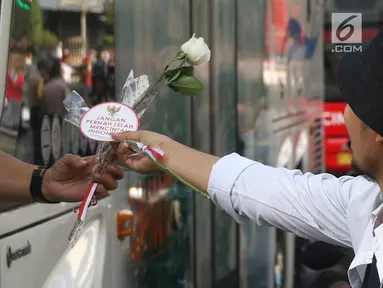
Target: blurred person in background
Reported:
point(29, 69)
point(28, 65)
point(35, 88)
point(14, 95)
point(345, 211)
point(67, 69)
point(58, 52)
point(111, 77)
point(87, 68)
point(99, 92)
point(101, 64)
point(54, 92)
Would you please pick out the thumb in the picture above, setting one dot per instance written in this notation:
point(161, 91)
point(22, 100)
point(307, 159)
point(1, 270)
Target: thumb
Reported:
point(132, 135)
point(74, 161)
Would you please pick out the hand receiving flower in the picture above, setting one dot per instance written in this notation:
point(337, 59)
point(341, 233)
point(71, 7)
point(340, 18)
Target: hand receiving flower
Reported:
point(140, 164)
point(69, 178)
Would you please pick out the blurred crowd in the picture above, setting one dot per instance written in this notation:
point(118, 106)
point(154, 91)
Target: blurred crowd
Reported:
point(38, 82)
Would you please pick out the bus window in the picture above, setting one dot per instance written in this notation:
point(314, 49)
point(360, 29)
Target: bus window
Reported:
point(48, 57)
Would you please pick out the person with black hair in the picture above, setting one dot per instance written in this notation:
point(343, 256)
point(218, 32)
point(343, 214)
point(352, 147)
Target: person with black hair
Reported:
point(54, 92)
point(345, 211)
point(28, 65)
point(99, 92)
point(35, 83)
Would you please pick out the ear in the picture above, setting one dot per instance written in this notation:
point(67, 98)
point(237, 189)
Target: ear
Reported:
point(379, 139)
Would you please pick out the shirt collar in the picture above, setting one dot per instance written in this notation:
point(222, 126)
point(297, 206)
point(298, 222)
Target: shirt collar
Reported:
point(377, 211)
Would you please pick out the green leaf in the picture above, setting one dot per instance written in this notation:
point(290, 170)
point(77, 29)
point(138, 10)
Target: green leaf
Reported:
point(161, 77)
point(188, 71)
point(175, 64)
point(180, 55)
point(172, 75)
point(173, 88)
point(175, 76)
point(187, 85)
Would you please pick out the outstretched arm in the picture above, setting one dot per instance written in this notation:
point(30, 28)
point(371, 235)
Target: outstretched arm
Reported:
point(310, 206)
point(191, 165)
point(67, 180)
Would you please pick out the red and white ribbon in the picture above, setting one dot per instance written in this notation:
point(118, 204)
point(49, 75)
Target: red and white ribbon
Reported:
point(87, 201)
point(154, 153)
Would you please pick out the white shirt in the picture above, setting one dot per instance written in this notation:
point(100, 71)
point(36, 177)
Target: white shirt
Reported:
point(58, 53)
point(339, 211)
point(67, 72)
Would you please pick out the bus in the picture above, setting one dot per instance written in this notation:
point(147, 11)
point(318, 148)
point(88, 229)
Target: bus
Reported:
point(263, 99)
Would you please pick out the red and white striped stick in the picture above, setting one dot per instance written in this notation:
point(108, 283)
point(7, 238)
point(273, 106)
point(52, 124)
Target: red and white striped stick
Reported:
point(87, 201)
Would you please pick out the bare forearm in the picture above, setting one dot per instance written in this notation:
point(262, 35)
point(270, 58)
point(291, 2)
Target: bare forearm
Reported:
point(191, 165)
point(15, 177)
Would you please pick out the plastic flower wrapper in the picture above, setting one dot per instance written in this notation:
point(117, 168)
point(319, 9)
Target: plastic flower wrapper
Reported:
point(138, 94)
point(76, 108)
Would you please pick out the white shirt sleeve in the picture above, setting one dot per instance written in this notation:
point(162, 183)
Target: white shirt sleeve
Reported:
point(308, 205)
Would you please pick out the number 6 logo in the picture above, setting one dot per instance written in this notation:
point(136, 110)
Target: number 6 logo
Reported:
point(346, 28)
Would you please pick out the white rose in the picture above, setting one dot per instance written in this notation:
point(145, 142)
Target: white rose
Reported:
point(196, 50)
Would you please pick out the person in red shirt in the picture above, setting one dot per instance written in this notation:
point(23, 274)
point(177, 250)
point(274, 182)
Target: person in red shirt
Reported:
point(87, 72)
point(15, 83)
point(14, 95)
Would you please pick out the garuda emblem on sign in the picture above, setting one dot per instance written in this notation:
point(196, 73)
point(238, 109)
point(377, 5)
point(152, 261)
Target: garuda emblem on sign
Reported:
point(113, 110)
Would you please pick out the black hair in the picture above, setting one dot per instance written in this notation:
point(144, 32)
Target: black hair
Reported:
point(43, 64)
point(55, 69)
point(30, 50)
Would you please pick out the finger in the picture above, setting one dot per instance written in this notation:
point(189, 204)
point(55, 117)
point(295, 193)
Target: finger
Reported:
point(115, 171)
point(133, 164)
point(114, 157)
point(92, 163)
point(74, 161)
point(118, 150)
point(90, 159)
point(101, 192)
point(132, 135)
point(109, 182)
point(123, 152)
point(115, 145)
point(129, 163)
point(123, 149)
